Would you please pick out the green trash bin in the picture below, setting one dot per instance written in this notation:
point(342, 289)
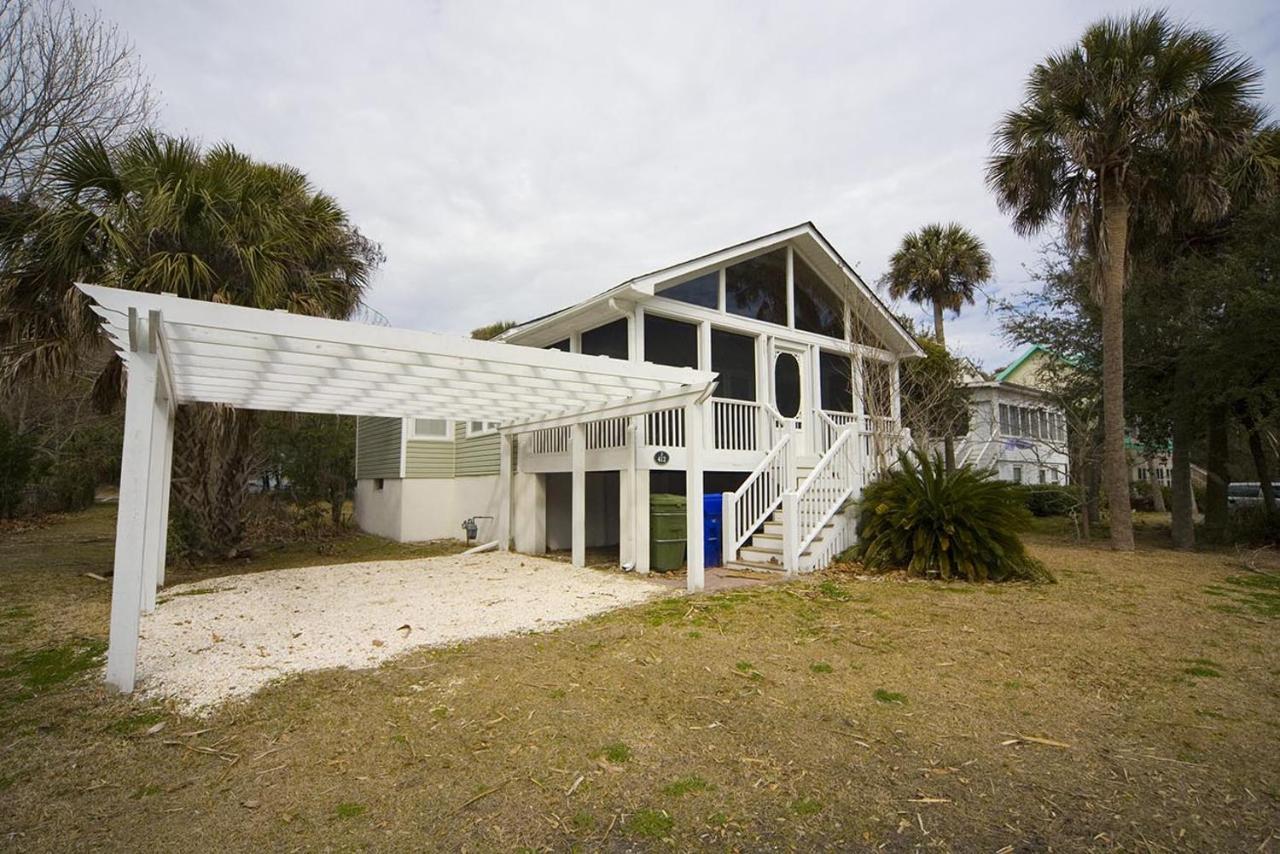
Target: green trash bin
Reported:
point(667, 531)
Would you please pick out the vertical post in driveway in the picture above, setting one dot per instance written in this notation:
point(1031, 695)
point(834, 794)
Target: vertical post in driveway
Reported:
point(134, 508)
point(578, 455)
point(506, 479)
point(157, 497)
point(693, 496)
point(640, 503)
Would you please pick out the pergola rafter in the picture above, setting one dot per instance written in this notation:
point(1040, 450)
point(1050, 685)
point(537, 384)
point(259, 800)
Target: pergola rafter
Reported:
point(180, 351)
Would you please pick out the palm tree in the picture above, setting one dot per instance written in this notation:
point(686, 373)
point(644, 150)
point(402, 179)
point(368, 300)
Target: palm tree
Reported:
point(161, 215)
point(1102, 126)
point(939, 265)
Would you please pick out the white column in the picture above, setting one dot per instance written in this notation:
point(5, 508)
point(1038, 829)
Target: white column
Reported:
point(131, 521)
point(157, 501)
point(162, 548)
point(728, 528)
point(578, 454)
point(693, 496)
point(791, 287)
point(640, 503)
point(506, 480)
point(627, 500)
point(530, 519)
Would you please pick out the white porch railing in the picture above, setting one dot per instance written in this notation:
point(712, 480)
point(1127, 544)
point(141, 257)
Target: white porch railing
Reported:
point(552, 440)
point(665, 428)
point(608, 433)
point(751, 504)
point(739, 425)
point(807, 510)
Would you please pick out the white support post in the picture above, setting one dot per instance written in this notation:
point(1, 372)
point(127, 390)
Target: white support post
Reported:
point(640, 503)
point(529, 525)
point(162, 548)
point(578, 454)
point(157, 497)
point(506, 481)
point(791, 287)
point(728, 528)
point(790, 530)
point(627, 499)
point(693, 499)
point(134, 509)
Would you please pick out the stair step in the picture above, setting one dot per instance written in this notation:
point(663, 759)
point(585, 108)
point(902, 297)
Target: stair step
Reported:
point(754, 566)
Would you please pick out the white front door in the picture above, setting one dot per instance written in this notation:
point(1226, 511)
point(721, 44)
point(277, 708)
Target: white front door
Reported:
point(789, 381)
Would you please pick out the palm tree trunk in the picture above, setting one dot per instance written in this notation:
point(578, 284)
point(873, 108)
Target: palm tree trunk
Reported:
point(214, 460)
point(1183, 500)
point(1115, 221)
point(1215, 492)
point(948, 441)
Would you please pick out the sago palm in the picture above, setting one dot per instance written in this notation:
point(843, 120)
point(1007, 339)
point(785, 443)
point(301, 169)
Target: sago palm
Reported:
point(1103, 125)
point(950, 524)
point(942, 266)
point(161, 215)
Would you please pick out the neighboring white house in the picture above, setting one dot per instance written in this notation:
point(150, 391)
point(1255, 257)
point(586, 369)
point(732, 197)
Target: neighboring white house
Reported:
point(1015, 428)
point(806, 409)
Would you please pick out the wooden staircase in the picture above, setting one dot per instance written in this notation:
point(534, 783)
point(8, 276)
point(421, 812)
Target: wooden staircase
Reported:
point(763, 552)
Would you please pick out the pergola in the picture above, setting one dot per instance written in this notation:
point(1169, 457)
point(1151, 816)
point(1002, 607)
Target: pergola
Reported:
point(180, 351)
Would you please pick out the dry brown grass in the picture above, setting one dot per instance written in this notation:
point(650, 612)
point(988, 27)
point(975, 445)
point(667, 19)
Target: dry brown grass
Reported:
point(828, 712)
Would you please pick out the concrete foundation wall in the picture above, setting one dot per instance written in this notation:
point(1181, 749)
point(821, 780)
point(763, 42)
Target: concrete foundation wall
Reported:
point(427, 508)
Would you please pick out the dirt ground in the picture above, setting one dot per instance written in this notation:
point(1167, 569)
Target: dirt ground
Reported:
point(1135, 705)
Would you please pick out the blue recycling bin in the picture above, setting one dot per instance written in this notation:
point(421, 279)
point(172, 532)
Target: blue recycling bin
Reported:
point(712, 517)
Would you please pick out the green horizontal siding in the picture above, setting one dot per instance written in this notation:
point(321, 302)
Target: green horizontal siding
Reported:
point(377, 447)
point(478, 455)
point(428, 459)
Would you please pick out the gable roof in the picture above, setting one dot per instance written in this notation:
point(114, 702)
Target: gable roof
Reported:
point(602, 306)
point(1004, 373)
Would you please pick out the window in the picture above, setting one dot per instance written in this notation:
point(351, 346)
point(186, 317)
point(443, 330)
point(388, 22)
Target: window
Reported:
point(1017, 474)
point(786, 384)
point(877, 391)
point(431, 428)
point(757, 287)
point(1004, 419)
point(608, 340)
point(670, 342)
point(480, 428)
point(1042, 475)
point(1142, 472)
point(1035, 424)
point(703, 291)
point(378, 483)
point(559, 345)
point(836, 379)
point(733, 357)
point(818, 309)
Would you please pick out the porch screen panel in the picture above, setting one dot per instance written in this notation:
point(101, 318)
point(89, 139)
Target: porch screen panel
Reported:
point(818, 310)
point(608, 340)
point(670, 342)
point(733, 357)
point(757, 287)
point(836, 380)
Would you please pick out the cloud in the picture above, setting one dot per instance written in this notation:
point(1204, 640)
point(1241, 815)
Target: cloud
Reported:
point(513, 158)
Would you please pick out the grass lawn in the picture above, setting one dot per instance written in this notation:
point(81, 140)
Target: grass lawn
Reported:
point(1134, 705)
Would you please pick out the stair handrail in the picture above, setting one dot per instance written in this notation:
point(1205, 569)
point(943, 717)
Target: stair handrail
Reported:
point(819, 497)
point(744, 509)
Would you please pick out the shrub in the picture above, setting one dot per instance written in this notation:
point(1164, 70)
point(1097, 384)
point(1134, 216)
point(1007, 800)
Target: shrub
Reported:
point(1050, 499)
point(1252, 526)
point(17, 465)
point(958, 524)
point(1141, 496)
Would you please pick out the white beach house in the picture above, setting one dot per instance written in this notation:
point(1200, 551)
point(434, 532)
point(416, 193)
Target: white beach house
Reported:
point(805, 409)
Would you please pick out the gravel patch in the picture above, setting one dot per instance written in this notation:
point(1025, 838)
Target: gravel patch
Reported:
point(224, 638)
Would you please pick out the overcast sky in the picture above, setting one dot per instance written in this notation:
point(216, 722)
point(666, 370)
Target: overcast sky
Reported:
point(514, 158)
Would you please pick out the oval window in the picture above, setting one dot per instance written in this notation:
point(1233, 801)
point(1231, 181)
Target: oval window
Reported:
point(786, 385)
